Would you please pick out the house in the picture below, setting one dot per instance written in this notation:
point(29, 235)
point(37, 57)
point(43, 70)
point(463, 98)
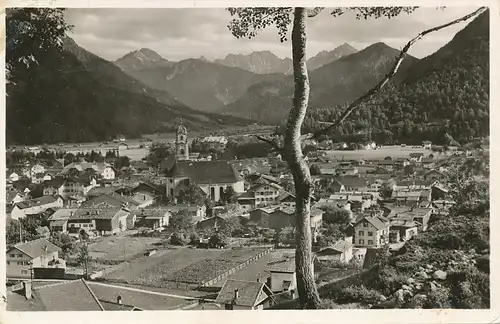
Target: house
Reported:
point(433, 174)
point(386, 164)
point(105, 170)
point(59, 219)
point(24, 257)
point(348, 183)
point(35, 169)
point(262, 195)
point(107, 220)
point(428, 163)
point(73, 295)
point(416, 157)
point(114, 200)
point(405, 228)
point(283, 276)
point(35, 206)
point(427, 145)
point(414, 184)
point(406, 197)
point(67, 187)
point(196, 212)
point(148, 193)
point(152, 218)
point(371, 232)
point(13, 176)
point(210, 223)
point(341, 251)
point(213, 177)
point(14, 197)
point(244, 295)
point(214, 143)
point(140, 167)
point(280, 216)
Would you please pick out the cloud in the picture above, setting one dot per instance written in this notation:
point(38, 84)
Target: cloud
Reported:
point(178, 34)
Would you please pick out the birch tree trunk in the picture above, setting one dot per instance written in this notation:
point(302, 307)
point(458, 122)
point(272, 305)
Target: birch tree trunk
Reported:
point(308, 294)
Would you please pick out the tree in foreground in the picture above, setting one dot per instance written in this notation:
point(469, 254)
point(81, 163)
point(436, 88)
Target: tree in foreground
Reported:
point(247, 23)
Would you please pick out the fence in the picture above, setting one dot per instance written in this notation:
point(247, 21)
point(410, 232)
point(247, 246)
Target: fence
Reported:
point(235, 269)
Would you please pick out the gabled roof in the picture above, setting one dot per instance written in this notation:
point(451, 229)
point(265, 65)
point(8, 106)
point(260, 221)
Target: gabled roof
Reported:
point(205, 172)
point(37, 247)
point(98, 213)
point(110, 200)
point(375, 221)
point(62, 214)
point(250, 293)
point(152, 213)
point(282, 264)
point(44, 200)
point(351, 181)
point(73, 295)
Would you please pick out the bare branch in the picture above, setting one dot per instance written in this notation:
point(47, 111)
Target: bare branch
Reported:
point(392, 72)
point(271, 142)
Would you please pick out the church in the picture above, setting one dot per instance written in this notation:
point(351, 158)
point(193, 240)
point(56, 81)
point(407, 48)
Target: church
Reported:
point(212, 177)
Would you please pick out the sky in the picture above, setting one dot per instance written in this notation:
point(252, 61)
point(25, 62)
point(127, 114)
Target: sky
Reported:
point(178, 34)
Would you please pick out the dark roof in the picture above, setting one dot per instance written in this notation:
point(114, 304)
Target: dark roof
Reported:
point(56, 182)
point(204, 172)
point(416, 154)
point(152, 212)
point(352, 181)
point(143, 299)
point(44, 200)
point(37, 247)
point(282, 264)
point(68, 296)
point(375, 221)
point(98, 191)
point(249, 292)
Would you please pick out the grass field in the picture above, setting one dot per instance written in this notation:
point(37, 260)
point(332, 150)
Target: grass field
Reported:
point(392, 151)
point(121, 247)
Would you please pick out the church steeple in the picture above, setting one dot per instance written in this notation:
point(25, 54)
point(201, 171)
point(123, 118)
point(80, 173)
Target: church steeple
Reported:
point(181, 144)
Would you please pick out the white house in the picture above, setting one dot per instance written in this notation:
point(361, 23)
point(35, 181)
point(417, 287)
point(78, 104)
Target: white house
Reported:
point(40, 253)
point(13, 177)
point(35, 206)
point(36, 169)
point(371, 232)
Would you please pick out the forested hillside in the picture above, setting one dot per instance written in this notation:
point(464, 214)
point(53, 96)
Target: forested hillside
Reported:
point(446, 92)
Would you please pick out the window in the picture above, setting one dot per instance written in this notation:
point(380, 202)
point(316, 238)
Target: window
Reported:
point(361, 233)
point(20, 263)
point(370, 242)
point(361, 241)
point(24, 272)
point(20, 255)
point(8, 262)
point(370, 233)
point(365, 224)
point(12, 255)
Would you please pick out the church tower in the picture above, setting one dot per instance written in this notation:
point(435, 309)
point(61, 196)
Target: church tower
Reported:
point(181, 144)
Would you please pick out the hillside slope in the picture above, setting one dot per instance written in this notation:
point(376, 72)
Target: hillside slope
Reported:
point(74, 95)
point(444, 93)
point(338, 82)
point(199, 84)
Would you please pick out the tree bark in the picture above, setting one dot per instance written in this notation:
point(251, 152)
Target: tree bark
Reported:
point(308, 294)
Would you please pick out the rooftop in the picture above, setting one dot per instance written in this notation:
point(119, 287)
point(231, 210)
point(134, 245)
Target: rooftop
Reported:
point(68, 296)
point(250, 293)
point(205, 172)
point(37, 247)
point(44, 200)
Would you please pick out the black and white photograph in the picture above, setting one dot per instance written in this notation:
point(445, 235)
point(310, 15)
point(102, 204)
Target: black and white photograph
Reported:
point(247, 158)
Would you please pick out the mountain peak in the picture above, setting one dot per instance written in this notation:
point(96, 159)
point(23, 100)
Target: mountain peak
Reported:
point(260, 62)
point(141, 59)
point(325, 57)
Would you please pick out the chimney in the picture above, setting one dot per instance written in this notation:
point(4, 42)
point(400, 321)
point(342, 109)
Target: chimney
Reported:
point(119, 300)
point(27, 289)
point(236, 294)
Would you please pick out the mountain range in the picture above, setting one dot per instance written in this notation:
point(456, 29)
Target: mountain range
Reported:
point(341, 81)
point(75, 95)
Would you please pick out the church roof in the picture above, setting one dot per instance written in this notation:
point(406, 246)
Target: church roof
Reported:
point(205, 172)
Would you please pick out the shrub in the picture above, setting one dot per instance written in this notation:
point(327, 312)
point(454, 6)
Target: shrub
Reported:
point(357, 294)
point(178, 239)
point(439, 298)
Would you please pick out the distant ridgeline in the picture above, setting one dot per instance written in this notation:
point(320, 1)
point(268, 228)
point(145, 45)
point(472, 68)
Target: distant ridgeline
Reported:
point(444, 93)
